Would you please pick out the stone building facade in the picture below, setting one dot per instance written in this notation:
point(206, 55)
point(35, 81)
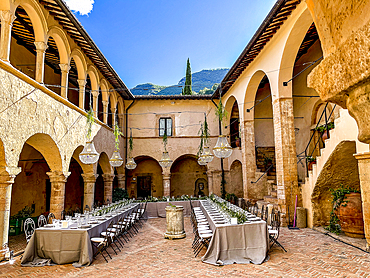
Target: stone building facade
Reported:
point(306, 64)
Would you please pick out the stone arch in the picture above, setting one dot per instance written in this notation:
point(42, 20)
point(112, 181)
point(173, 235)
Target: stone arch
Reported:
point(104, 163)
point(236, 179)
point(185, 170)
point(80, 61)
point(44, 144)
point(315, 111)
point(113, 99)
point(94, 77)
point(146, 176)
point(34, 11)
point(104, 89)
point(250, 94)
point(62, 43)
point(340, 168)
point(290, 51)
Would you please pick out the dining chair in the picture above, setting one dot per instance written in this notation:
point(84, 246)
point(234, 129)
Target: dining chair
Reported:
point(41, 221)
point(29, 228)
point(274, 232)
point(111, 233)
point(101, 244)
point(51, 216)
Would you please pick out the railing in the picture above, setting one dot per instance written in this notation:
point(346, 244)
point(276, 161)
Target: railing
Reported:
point(312, 136)
point(268, 169)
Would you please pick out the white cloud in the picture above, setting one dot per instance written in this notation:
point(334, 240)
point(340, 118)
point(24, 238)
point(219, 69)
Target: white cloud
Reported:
point(84, 7)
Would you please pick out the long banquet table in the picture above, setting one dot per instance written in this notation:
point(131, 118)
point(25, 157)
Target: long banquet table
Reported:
point(62, 246)
point(242, 243)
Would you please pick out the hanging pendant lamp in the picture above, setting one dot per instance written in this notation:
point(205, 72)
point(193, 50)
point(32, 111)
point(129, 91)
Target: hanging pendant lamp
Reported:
point(222, 148)
point(116, 159)
point(89, 155)
point(131, 164)
point(201, 161)
point(206, 155)
point(165, 161)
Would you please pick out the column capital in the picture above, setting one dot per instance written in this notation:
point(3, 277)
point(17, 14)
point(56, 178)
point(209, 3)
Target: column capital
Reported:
point(65, 67)
point(108, 177)
point(95, 93)
point(41, 46)
point(58, 176)
point(121, 177)
point(7, 17)
point(89, 177)
point(81, 82)
point(105, 103)
point(166, 176)
point(8, 175)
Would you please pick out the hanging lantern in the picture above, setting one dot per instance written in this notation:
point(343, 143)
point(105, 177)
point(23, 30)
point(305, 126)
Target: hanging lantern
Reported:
point(89, 155)
point(116, 159)
point(131, 164)
point(206, 155)
point(222, 148)
point(201, 161)
point(165, 161)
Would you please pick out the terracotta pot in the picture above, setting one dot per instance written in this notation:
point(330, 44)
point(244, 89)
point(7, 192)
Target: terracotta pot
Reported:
point(350, 216)
point(237, 142)
point(325, 135)
point(309, 166)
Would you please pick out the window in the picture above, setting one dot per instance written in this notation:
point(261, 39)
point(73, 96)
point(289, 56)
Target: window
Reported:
point(165, 124)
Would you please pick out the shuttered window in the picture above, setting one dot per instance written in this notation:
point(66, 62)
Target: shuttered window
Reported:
point(165, 124)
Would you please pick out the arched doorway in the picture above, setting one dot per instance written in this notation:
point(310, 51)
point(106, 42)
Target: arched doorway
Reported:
point(146, 179)
point(185, 171)
point(235, 185)
point(74, 197)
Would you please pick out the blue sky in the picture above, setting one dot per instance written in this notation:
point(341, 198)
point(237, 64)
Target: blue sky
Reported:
point(150, 40)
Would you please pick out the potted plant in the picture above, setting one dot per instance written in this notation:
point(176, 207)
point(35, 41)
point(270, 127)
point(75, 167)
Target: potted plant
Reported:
point(310, 161)
point(346, 215)
point(323, 129)
point(237, 141)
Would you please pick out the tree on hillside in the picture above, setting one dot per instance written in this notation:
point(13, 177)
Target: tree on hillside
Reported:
point(187, 89)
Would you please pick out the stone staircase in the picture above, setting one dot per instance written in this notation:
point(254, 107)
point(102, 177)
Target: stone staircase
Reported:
point(345, 130)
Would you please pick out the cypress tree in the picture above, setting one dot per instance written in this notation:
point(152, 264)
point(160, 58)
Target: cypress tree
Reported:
point(187, 90)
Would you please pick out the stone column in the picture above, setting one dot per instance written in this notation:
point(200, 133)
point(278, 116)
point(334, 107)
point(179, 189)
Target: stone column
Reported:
point(105, 109)
point(40, 61)
point(64, 82)
point(108, 187)
point(166, 183)
point(113, 111)
point(121, 181)
point(7, 19)
point(210, 181)
point(89, 189)
point(58, 183)
point(248, 156)
point(363, 160)
point(6, 181)
point(120, 123)
point(285, 153)
point(81, 95)
point(95, 95)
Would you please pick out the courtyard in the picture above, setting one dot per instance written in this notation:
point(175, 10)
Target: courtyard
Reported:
point(148, 254)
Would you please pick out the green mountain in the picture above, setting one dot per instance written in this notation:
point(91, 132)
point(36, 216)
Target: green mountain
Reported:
point(202, 82)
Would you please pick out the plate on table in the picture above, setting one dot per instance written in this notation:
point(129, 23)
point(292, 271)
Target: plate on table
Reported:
point(93, 222)
point(86, 226)
point(48, 226)
point(219, 222)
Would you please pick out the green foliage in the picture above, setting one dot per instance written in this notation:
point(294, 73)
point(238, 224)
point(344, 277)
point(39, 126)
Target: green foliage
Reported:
point(225, 207)
point(201, 82)
point(165, 140)
point(117, 133)
point(89, 122)
point(119, 194)
point(204, 136)
point(221, 113)
point(338, 200)
point(187, 89)
point(310, 159)
point(23, 213)
point(322, 128)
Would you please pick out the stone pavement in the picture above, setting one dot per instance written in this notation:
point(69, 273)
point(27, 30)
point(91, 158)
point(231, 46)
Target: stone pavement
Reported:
point(310, 254)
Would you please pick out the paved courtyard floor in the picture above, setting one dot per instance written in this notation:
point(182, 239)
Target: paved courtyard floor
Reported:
point(310, 254)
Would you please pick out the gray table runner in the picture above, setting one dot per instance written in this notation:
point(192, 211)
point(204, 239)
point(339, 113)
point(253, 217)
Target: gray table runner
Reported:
point(243, 243)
